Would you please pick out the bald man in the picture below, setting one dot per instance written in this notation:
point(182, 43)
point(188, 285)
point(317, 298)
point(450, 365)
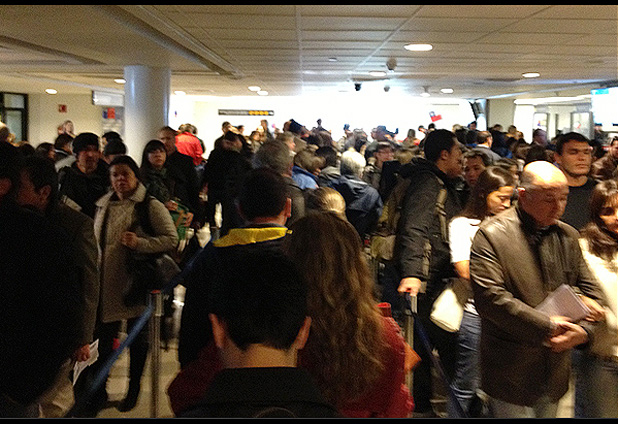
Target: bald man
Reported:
point(518, 258)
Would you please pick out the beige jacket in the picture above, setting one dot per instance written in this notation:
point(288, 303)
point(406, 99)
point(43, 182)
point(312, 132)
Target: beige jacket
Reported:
point(119, 216)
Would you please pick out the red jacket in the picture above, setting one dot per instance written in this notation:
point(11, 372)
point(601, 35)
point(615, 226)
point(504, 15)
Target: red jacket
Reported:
point(190, 145)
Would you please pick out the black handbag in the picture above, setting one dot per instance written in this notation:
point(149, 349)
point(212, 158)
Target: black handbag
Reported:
point(148, 271)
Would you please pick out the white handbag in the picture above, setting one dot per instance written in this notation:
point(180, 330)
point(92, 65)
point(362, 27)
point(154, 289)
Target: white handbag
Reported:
point(447, 310)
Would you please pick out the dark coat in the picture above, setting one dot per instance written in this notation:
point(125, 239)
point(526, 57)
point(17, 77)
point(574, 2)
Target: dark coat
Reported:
point(419, 224)
point(508, 284)
point(298, 200)
point(195, 329)
point(278, 392)
point(40, 315)
point(80, 229)
point(84, 189)
point(363, 203)
point(187, 183)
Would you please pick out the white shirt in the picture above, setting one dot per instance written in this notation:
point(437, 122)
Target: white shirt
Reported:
point(461, 233)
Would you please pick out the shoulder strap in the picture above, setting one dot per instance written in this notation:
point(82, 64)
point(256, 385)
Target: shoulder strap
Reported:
point(441, 211)
point(143, 215)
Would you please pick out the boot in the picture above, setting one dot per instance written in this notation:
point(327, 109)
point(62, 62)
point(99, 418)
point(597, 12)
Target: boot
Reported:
point(129, 402)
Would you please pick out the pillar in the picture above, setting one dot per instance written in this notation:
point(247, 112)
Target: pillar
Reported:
point(146, 106)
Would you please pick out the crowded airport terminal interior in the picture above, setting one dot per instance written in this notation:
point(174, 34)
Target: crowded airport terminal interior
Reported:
point(309, 211)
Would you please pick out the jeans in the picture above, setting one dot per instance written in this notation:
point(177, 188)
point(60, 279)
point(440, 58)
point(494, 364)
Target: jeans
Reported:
point(467, 375)
point(596, 386)
point(543, 409)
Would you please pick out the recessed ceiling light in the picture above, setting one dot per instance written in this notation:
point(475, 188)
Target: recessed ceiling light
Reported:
point(254, 88)
point(180, 93)
point(425, 94)
point(332, 59)
point(263, 93)
point(447, 91)
point(418, 47)
point(120, 81)
point(377, 73)
point(51, 91)
point(531, 75)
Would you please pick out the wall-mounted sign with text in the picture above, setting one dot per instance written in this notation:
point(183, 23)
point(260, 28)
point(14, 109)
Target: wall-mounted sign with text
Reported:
point(246, 112)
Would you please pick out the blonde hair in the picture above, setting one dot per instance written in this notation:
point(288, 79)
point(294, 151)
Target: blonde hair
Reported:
point(326, 199)
point(344, 352)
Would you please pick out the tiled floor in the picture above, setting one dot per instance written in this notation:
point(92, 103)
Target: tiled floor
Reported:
point(117, 384)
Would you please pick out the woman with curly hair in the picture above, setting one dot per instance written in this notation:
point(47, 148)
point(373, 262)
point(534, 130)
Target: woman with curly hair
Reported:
point(355, 353)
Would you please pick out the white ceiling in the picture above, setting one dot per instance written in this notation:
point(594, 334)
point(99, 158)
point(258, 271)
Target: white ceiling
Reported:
point(480, 51)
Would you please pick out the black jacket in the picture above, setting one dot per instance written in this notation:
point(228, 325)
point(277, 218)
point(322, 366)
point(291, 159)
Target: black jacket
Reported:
point(277, 392)
point(187, 184)
point(41, 310)
point(84, 189)
point(419, 224)
point(195, 329)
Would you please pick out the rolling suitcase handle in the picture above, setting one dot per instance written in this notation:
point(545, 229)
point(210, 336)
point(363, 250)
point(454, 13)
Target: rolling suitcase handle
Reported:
point(415, 324)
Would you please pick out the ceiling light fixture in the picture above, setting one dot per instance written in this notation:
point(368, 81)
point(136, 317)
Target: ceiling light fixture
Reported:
point(446, 91)
point(263, 93)
point(120, 81)
point(51, 91)
point(418, 47)
point(254, 88)
point(531, 75)
point(377, 73)
point(180, 93)
point(333, 59)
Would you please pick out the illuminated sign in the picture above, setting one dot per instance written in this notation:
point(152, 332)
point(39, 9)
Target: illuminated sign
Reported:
point(246, 112)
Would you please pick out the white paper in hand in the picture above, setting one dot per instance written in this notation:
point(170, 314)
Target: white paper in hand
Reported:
point(81, 366)
point(564, 302)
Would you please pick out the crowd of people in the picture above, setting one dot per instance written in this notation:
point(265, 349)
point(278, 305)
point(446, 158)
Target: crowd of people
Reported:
point(288, 310)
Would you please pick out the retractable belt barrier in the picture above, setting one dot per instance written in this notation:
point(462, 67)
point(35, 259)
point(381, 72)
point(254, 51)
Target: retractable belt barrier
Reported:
point(412, 313)
point(154, 311)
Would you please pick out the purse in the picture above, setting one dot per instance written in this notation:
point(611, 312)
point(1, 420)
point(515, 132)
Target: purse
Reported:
point(447, 309)
point(149, 271)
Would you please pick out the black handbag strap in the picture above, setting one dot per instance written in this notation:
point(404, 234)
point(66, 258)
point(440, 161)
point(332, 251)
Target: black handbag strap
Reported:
point(143, 216)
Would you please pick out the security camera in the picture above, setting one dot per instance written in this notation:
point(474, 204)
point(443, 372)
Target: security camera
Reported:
point(357, 86)
point(391, 64)
point(387, 88)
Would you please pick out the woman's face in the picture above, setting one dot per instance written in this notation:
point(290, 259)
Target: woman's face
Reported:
point(157, 158)
point(123, 179)
point(609, 215)
point(499, 200)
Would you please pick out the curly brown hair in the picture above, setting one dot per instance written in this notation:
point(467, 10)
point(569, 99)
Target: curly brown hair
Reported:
point(346, 344)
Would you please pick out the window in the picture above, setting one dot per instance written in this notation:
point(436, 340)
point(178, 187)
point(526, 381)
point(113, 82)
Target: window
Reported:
point(14, 113)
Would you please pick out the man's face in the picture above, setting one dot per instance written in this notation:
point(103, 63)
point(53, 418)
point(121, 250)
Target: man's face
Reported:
point(88, 159)
point(28, 195)
point(168, 138)
point(473, 167)
point(454, 162)
point(384, 155)
point(545, 204)
point(576, 158)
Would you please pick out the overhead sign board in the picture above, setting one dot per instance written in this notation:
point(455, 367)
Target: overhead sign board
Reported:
point(246, 112)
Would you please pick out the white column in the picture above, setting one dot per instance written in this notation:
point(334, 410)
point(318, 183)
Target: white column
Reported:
point(146, 106)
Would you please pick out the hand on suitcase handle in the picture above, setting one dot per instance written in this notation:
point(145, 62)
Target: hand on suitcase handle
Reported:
point(412, 305)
